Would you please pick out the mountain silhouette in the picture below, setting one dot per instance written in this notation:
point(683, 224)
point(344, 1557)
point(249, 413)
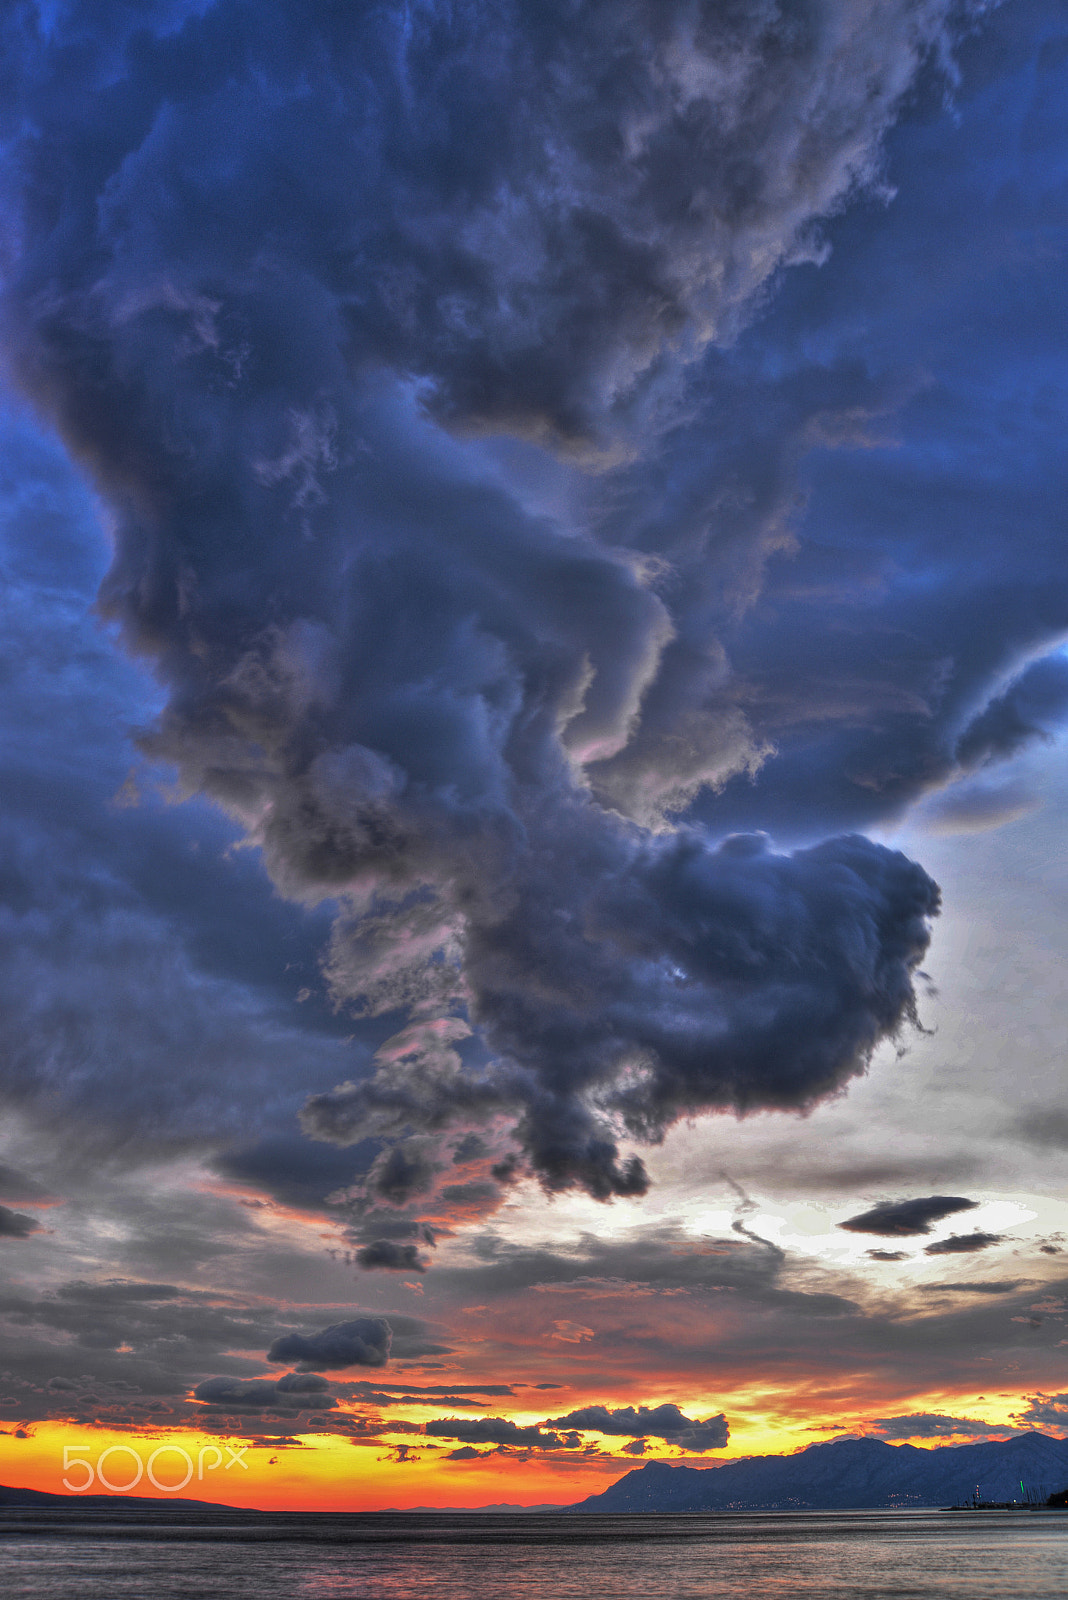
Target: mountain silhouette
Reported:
point(861, 1474)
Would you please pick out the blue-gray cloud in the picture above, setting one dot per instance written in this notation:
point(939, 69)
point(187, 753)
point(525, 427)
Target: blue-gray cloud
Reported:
point(297, 1391)
point(364, 1342)
point(458, 711)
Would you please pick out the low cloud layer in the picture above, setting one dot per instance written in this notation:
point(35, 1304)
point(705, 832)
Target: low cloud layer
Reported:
point(665, 1422)
point(498, 1431)
point(935, 1425)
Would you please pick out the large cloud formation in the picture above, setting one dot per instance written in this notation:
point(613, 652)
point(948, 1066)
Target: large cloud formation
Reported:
point(363, 321)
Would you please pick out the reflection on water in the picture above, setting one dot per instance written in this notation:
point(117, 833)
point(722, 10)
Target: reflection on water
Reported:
point(844, 1555)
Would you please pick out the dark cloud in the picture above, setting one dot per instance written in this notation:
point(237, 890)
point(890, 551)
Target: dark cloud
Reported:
point(16, 1225)
point(443, 1391)
point(393, 1226)
point(1032, 707)
point(388, 1255)
point(647, 990)
point(655, 1422)
point(667, 161)
point(297, 1391)
point(935, 1425)
point(978, 1286)
point(466, 1452)
point(894, 1218)
point(887, 1255)
point(497, 1431)
point(364, 1342)
point(962, 1244)
point(402, 1172)
point(369, 1341)
point(462, 717)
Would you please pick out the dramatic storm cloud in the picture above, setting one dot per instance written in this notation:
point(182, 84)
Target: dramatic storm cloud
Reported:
point(306, 260)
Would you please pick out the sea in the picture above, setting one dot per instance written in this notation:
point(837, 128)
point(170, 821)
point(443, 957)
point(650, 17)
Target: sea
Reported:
point(847, 1555)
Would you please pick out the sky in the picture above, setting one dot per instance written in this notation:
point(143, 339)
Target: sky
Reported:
point(535, 678)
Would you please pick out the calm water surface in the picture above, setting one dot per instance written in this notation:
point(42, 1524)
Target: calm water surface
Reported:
point(844, 1555)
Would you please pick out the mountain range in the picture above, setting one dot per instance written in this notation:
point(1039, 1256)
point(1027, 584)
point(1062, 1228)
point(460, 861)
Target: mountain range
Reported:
point(847, 1474)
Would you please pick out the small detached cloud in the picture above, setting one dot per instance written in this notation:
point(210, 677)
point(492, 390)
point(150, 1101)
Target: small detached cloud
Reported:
point(16, 1224)
point(387, 1255)
point(893, 1219)
point(365, 1342)
point(887, 1255)
point(962, 1244)
point(571, 1332)
point(975, 1286)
